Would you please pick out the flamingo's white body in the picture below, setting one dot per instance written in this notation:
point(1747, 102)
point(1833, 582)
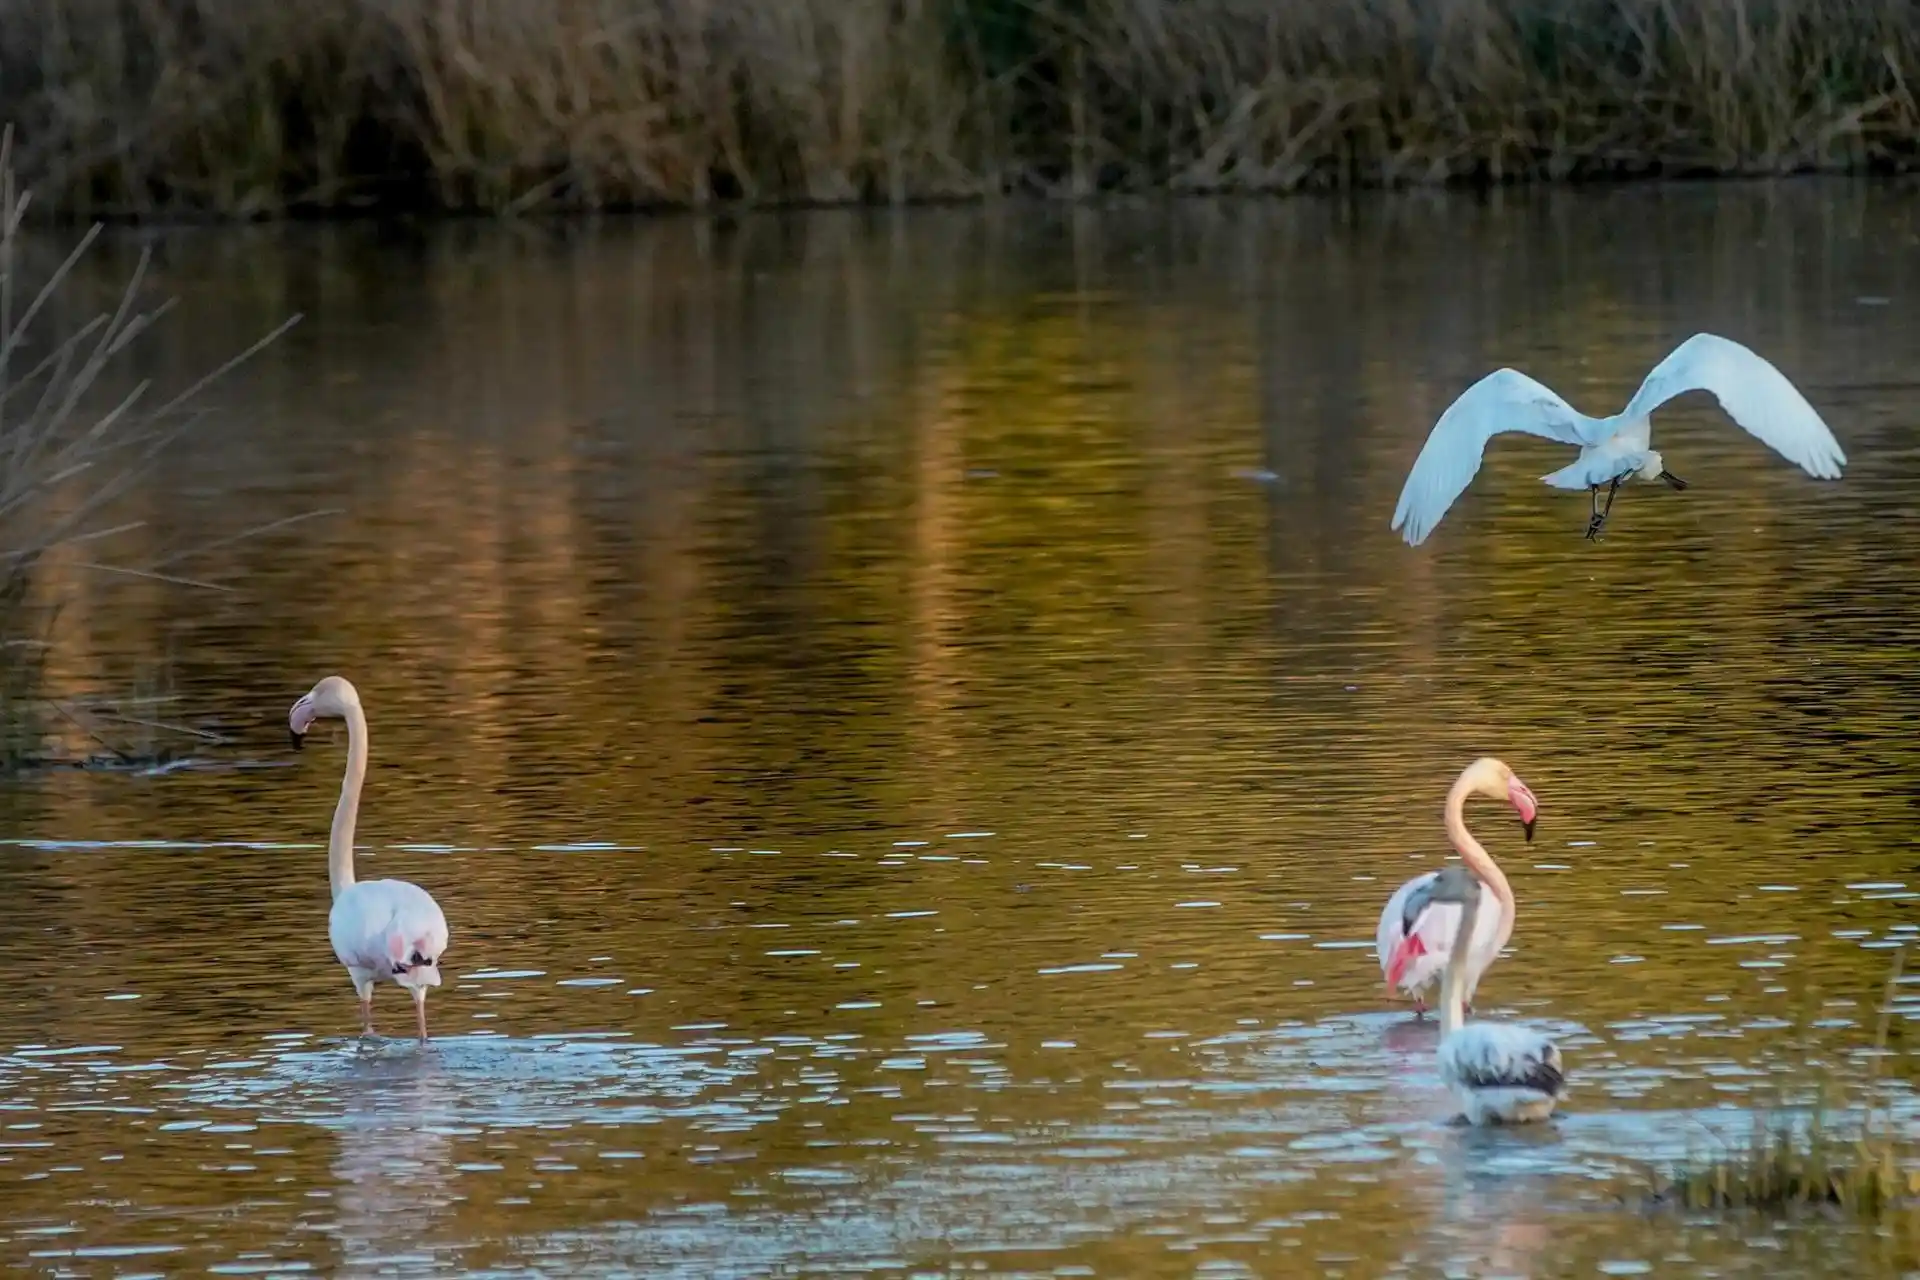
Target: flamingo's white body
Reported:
point(1618, 449)
point(1434, 928)
point(390, 929)
point(1415, 936)
point(1497, 1072)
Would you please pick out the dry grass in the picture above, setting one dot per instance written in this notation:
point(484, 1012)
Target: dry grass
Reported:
point(76, 433)
point(255, 107)
point(1864, 1172)
point(1865, 1167)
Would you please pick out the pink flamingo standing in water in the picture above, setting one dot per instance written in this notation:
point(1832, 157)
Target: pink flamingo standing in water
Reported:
point(379, 928)
point(1416, 933)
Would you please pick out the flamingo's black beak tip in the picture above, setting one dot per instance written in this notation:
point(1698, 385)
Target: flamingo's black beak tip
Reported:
point(1527, 827)
point(297, 738)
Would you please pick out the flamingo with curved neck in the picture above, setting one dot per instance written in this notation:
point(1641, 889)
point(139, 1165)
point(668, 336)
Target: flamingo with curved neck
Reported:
point(1415, 935)
point(379, 928)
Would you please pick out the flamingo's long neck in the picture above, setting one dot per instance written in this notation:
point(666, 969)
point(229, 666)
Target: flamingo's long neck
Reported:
point(1476, 857)
point(340, 842)
point(1453, 982)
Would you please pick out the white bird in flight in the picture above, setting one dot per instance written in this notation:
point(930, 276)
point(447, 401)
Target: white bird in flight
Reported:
point(1613, 450)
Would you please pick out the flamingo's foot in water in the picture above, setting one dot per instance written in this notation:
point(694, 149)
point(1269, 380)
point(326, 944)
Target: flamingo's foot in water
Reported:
point(1420, 1010)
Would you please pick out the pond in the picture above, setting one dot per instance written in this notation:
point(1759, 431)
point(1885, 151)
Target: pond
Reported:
point(913, 719)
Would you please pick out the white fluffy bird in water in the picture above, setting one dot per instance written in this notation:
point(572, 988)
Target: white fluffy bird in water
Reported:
point(1616, 450)
point(1497, 1072)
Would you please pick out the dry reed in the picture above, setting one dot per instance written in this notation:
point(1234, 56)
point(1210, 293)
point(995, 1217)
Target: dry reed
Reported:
point(1806, 1158)
point(75, 435)
point(1864, 1172)
point(248, 107)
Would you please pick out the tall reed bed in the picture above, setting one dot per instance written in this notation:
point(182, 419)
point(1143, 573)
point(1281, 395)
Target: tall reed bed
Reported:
point(77, 433)
point(263, 107)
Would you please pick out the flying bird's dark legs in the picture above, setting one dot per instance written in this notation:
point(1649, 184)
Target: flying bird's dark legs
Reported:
point(1599, 515)
point(1673, 480)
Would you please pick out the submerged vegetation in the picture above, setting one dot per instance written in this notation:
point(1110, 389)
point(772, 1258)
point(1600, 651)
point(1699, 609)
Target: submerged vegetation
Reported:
point(77, 433)
point(245, 107)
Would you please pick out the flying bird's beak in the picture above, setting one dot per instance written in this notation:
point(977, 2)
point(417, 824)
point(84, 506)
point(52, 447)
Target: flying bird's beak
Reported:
point(297, 738)
point(1527, 827)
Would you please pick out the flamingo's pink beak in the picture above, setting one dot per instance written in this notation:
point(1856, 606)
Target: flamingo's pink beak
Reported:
point(299, 719)
point(1524, 804)
point(1409, 950)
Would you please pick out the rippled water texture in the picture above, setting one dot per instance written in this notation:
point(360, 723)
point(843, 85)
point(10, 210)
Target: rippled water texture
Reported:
point(913, 720)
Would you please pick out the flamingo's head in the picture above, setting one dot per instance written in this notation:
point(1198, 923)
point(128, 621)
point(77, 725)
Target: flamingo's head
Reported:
point(332, 697)
point(1494, 779)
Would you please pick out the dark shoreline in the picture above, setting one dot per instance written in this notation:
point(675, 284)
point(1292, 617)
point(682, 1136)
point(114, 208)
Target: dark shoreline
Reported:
point(245, 111)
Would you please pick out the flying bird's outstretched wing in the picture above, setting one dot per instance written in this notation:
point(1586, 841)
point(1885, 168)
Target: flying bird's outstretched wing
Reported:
point(1504, 400)
point(1755, 395)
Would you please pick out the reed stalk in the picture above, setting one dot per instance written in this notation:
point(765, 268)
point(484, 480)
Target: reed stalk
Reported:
point(77, 433)
point(1859, 1162)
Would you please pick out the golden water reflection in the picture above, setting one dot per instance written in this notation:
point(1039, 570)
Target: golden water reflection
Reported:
point(912, 719)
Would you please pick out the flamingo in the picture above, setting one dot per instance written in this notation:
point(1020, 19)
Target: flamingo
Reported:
point(1415, 936)
point(379, 928)
point(1498, 1073)
point(1615, 450)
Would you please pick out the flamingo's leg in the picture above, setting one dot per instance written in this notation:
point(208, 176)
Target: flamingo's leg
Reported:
point(365, 992)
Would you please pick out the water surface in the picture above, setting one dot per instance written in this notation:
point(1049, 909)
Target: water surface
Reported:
point(913, 719)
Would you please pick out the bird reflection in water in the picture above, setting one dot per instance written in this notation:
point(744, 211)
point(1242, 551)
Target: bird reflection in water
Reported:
point(393, 1175)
